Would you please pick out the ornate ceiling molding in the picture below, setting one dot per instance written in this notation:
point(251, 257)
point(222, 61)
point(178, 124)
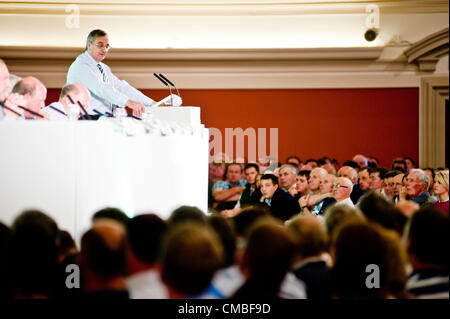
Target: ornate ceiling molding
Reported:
point(427, 52)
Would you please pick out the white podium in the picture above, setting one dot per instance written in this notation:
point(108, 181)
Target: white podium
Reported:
point(183, 114)
point(69, 170)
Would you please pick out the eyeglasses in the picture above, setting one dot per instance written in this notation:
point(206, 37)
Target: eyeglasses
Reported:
point(101, 46)
point(339, 186)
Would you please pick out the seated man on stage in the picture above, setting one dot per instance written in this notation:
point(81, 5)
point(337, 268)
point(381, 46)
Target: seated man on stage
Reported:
point(35, 93)
point(105, 88)
point(59, 110)
point(9, 109)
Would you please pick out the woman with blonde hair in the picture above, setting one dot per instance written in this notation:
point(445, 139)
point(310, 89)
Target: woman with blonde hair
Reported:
point(441, 190)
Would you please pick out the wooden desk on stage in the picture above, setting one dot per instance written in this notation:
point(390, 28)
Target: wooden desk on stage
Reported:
point(70, 170)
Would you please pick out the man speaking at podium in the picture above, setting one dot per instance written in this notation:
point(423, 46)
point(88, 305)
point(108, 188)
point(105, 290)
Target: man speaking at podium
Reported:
point(105, 88)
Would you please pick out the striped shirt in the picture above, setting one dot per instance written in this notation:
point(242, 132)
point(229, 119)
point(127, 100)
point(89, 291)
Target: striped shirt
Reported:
point(428, 284)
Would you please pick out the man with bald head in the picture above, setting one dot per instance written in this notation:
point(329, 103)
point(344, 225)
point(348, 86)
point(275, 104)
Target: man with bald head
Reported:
point(342, 188)
point(59, 110)
point(34, 92)
point(310, 201)
point(351, 174)
point(9, 109)
point(361, 160)
point(314, 179)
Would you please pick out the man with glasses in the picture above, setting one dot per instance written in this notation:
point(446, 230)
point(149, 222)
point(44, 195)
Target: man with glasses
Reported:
point(106, 89)
point(342, 188)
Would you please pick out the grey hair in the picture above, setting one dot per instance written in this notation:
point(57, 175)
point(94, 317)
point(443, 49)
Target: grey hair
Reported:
point(23, 88)
point(349, 183)
point(93, 35)
point(69, 88)
point(353, 173)
point(323, 172)
point(423, 177)
point(293, 169)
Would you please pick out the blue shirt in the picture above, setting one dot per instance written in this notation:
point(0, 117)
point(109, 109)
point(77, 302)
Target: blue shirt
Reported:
point(227, 185)
point(105, 88)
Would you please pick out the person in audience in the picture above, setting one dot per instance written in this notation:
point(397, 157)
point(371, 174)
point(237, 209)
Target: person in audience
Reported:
point(186, 213)
point(311, 240)
point(351, 174)
point(352, 164)
point(67, 249)
point(103, 261)
point(431, 174)
point(375, 161)
point(361, 160)
point(33, 256)
point(295, 161)
point(192, 253)
point(376, 208)
point(228, 278)
point(428, 237)
point(281, 204)
point(9, 102)
point(216, 171)
point(227, 193)
point(417, 184)
point(355, 247)
point(342, 188)
point(144, 239)
point(314, 179)
point(376, 179)
point(441, 190)
point(389, 184)
point(287, 178)
point(364, 180)
point(407, 207)
point(251, 171)
point(321, 201)
point(110, 213)
point(59, 110)
point(397, 186)
point(336, 215)
point(105, 88)
point(312, 163)
point(34, 92)
point(301, 185)
point(267, 259)
point(399, 164)
point(410, 164)
point(250, 195)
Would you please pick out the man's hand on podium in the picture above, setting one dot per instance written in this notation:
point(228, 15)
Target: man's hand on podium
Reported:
point(138, 108)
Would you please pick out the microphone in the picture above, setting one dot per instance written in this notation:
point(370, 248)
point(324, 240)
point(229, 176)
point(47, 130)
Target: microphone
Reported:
point(168, 81)
point(165, 83)
point(11, 110)
point(82, 108)
point(30, 111)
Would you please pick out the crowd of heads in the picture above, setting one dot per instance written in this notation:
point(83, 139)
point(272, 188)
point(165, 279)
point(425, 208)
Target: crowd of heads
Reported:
point(344, 253)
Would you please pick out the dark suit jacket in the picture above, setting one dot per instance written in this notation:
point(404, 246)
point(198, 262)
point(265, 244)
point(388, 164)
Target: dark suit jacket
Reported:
point(283, 205)
point(316, 278)
point(357, 192)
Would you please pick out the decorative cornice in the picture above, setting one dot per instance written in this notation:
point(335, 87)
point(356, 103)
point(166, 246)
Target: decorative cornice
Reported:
point(428, 51)
point(227, 68)
point(219, 7)
point(301, 54)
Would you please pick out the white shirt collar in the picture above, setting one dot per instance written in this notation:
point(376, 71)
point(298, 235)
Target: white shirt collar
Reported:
point(91, 59)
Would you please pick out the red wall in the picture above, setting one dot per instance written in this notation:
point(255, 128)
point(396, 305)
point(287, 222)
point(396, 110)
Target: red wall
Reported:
point(315, 122)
